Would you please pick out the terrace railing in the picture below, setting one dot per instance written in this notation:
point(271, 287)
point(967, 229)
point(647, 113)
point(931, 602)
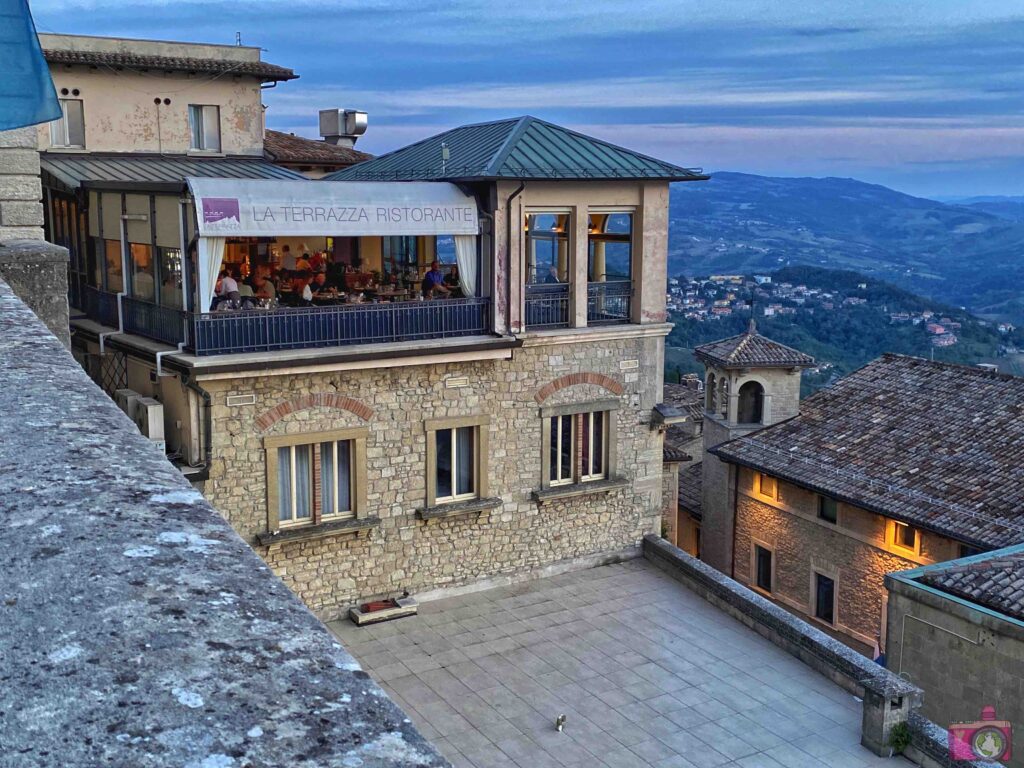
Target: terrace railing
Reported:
point(547, 305)
point(608, 303)
point(154, 321)
point(307, 327)
point(99, 305)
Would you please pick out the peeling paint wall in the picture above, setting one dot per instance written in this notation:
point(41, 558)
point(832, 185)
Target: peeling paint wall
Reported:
point(120, 114)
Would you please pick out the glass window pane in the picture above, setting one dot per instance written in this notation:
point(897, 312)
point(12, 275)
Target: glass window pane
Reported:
point(112, 252)
point(74, 118)
point(585, 442)
point(141, 263)
point(554, 450)
point(303, 481)
point(567, 448)
point(195, 126)
point(59, 131)
point(443, 443)
point(284, 484)
point(547, 248)
point(170, 272)
point(466, 459)
point(327, 476)
point(344, 475)
point(598, 439)
point(827, 509)
point(610, 247)
point(211, 128)
point(763, 577)
point(825, 594)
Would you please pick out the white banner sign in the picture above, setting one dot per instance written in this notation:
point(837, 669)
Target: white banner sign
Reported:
point(265, 208)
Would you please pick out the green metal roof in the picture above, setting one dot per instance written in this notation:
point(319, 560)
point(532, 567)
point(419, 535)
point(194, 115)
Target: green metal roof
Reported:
point(515, 148)
point(151, 173)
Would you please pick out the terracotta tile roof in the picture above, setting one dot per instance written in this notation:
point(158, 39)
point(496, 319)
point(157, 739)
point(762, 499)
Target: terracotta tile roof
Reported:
point(691, 402)
point(690, 488)
point(749, 350)
point(937, 445)
point(994, 581)
point(125, 60)
point(289, 148)
point(673, 453)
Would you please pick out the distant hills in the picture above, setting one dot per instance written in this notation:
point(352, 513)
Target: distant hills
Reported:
point(969, 253)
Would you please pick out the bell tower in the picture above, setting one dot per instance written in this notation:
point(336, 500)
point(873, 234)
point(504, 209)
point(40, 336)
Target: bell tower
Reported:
point(750, 382)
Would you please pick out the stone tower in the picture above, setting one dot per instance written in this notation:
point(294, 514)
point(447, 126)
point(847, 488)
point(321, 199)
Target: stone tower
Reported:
point(751, 382)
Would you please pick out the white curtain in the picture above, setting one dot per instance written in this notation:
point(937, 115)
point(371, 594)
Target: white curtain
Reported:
point(465, 256)
point(211, 255)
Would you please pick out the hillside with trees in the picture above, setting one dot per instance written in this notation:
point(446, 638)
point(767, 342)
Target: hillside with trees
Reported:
point(842, 336)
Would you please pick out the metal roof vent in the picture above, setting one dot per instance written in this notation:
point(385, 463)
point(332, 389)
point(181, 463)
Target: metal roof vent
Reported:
point(342, 127)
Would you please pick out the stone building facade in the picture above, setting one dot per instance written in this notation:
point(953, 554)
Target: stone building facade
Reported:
point(856, 552)
point(889, 469)
point(526, 446)
point(519, 536)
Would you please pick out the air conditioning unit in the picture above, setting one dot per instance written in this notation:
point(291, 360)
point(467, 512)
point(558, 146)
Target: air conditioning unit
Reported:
point(126, 399)
point(149, 416)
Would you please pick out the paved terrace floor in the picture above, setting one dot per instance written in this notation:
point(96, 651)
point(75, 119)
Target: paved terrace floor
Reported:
point(646, 672)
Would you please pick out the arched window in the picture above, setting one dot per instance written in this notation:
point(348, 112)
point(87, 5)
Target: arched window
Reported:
point(751, 405)
point(723, 396)
point(709, 394)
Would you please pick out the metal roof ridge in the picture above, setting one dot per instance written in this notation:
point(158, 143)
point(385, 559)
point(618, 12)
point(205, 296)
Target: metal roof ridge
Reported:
point(697, 173)
point(502, 153)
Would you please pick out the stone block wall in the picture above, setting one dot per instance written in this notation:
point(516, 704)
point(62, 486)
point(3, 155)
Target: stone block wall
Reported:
point(854, 551)
point(21, 193)
point(716, 501)
point(403, 552)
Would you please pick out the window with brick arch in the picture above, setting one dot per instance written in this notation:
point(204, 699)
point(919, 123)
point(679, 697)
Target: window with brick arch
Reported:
point(314, 482)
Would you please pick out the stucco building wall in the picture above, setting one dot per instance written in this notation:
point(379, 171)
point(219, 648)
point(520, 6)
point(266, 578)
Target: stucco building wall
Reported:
point(118, 104)
point(962, 657)
point(408, 553)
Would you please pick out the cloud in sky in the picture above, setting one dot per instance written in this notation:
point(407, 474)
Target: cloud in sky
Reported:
point(922, 94)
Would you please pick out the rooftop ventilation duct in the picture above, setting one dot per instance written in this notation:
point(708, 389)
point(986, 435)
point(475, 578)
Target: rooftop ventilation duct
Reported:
point(342, 127)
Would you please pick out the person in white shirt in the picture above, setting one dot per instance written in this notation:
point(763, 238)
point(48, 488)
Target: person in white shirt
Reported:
point(287, 259)
point(229, 284)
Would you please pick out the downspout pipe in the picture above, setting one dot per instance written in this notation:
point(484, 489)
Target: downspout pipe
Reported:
point(207, 425)
point(125, 217)
point(508, 269)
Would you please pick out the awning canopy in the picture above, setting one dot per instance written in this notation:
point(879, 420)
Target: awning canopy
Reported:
point(254, 208)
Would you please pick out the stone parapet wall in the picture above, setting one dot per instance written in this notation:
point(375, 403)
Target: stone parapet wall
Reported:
point(37, 272)
point(888, 699)
point(136, 628)
point(520, 536)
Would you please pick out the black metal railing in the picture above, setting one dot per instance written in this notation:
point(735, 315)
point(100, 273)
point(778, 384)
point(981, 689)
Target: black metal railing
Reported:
point(547, 305)
point(154, 321)
point(258, 330)
point(608, 303)
point(99, 305)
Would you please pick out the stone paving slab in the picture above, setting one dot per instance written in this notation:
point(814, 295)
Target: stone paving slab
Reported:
point(646, 673)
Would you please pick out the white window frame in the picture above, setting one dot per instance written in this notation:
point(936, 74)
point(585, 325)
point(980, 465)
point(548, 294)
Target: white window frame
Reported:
point(587, 422)
point(481, 430)
point(293, 520)
point(557, 432)
point(60, 134)
point(473, 455)
point(580, 412)
point(356, 437)
point(204, 112)
point(337, 514)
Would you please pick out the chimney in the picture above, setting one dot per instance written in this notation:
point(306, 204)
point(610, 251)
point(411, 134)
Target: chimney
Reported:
point(342, 127)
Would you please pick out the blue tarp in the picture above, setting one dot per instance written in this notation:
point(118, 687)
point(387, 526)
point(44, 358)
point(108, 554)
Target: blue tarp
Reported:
point(27, 95)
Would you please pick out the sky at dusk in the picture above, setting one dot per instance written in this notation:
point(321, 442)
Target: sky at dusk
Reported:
point(926, 96)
